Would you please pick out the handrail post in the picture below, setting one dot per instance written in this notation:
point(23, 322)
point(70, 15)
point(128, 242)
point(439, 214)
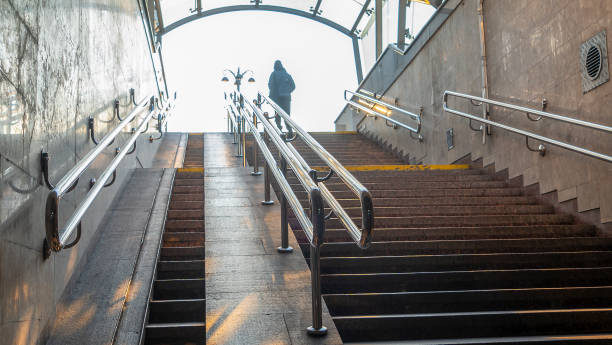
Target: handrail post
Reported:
point(238, 129)
point(317, 215)
point(256, 171)
point(284, 248)
point(267, 172)
point(244, 163)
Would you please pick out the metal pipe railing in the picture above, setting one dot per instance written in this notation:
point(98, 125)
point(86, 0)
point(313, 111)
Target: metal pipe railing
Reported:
point(314, 227)
point(362, 236)
point(374, 107)
point(527, 134)
point(57, 239)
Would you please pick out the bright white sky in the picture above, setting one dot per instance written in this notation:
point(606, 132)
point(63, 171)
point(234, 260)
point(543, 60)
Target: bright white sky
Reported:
point(319, 58)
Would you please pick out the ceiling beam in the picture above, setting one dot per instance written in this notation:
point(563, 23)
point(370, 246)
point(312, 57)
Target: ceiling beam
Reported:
point(361, 13)
point(269, 8)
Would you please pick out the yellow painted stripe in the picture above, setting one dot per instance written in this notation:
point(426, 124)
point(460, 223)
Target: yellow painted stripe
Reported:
point(337, 132)
point(400, 167)
point(195, 133)
point(190, 170)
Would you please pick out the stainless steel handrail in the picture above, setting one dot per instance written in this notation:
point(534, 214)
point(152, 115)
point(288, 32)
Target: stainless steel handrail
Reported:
point(314, 228)
point(373, 112)
point(527, 134)
point(56, 239)
point(361, 236)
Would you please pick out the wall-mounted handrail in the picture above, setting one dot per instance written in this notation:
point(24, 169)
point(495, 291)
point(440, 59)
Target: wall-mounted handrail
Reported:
point(362, 236)
point(372, 106)
point(56, 238)
point(313, 226)
point(527, 134)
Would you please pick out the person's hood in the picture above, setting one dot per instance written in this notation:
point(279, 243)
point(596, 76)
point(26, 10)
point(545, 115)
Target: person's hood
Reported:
point(278, 66)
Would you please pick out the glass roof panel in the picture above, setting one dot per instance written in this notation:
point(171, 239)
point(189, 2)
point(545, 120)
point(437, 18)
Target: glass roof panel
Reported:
point(343, 12)
point(173, 10)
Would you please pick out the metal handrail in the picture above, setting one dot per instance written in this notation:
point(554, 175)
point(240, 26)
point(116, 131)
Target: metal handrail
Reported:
point(314, 227)
point(56, 239)
point(362, 236)
point(527, 134)
point(372, 111)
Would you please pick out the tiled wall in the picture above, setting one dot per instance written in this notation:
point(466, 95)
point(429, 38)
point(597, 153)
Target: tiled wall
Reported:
point(532, 53)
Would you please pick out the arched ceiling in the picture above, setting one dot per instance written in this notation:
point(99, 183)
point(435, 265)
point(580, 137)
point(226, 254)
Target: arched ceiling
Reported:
point(344, 16)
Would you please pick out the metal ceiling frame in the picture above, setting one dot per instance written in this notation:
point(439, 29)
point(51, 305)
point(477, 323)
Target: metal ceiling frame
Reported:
point(269, 8)
point(314, 15)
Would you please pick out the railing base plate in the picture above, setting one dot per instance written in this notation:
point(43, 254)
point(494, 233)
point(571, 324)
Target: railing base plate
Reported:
point(284, 250)
point(267, 202)
point(316, 332)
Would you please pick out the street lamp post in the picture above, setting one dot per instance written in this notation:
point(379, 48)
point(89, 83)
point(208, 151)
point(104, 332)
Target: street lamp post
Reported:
point(238, 75)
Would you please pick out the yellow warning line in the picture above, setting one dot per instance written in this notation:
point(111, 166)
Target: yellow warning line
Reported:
point(195, 133)
point(190, 170)
point(400, 167)
point(338, 132)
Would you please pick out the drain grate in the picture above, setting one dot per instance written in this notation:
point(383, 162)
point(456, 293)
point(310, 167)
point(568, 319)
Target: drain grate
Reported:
point(594, 62)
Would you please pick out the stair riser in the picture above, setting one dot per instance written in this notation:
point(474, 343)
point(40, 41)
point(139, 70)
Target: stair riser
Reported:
point(468, 301)
point(465, 280)
point(473, 326)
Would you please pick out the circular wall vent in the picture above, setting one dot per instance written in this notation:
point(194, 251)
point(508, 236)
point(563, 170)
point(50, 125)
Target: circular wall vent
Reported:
point(593, 62)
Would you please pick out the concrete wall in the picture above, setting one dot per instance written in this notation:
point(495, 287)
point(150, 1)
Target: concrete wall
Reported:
point(61, 61)
point(533, 53)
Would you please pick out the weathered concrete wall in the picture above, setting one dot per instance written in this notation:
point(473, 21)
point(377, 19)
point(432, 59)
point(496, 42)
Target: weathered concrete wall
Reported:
point(533, 53)
point(61, 61)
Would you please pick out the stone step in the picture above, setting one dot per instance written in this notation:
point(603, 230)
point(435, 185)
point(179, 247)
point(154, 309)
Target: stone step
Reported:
point(461, 233)
point(512, 323)
point(189, 269)
point(468, 300)
point(441, 247)
point(188, 310)
point(464, 262)
point(175, 333)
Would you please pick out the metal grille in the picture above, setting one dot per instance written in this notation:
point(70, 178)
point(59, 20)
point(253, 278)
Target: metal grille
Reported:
point(594, 62)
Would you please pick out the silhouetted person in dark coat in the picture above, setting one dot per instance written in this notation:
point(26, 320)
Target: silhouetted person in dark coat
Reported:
point(281, 86)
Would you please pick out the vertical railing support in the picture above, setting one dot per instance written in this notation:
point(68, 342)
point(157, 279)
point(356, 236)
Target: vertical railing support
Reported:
point(244, 163)
point(317, 216)
point(256, 171)
point(284, 248)
point(267, 200)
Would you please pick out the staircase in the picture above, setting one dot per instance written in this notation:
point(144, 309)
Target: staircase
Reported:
point(459, 257)
point(177, 308)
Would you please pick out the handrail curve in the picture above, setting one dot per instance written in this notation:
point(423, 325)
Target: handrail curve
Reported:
point(541, 148)
point(362, 236)
point(372, 107)
point(56, 239)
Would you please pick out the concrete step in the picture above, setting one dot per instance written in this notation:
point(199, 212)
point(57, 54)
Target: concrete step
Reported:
point(186, 269)
point(512, 323)
point(465, 280)
point(452, 220)
point(442, 247)
point(462, 233)
point(188, 310)
point(175, 333)
point(184, 225)
point(186, 205)
point(169, 289)
point(183, 253)
point(440, 201)
point(404, 211)
point(464, 262)
point(183, 239)
point(468, 300)
point(197, 214)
